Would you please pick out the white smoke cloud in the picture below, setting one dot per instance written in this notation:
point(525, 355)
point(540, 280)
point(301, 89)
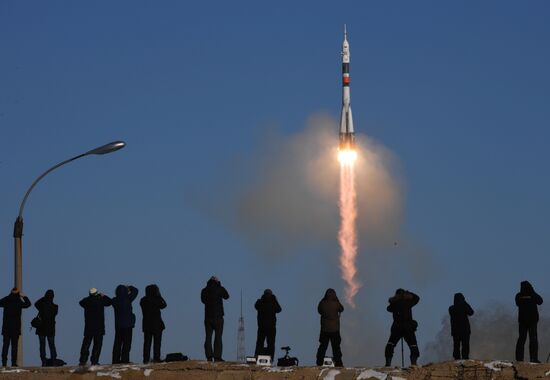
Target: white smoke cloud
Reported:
point(284, 201)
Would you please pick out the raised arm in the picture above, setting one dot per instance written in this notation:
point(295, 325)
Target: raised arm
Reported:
point(133, 292)
point(25, 302)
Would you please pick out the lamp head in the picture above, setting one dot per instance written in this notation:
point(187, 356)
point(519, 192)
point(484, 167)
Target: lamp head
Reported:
point(108, 148)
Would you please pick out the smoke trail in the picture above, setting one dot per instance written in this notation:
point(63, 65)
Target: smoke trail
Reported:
point(347, 235)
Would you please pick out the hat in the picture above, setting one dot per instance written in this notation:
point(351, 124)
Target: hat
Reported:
point(268, 292)
point(93, 291)
point(214, 278)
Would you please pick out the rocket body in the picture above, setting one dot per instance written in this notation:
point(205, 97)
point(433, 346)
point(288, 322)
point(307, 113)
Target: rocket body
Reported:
point(347, 133)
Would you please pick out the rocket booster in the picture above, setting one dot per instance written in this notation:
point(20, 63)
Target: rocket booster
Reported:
point(347, 133)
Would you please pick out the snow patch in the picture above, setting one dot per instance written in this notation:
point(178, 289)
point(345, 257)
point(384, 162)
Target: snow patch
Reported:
point(114, 374)
point(279, 369)
point(147, 372)
point(331, 374)
point(497, 365)
point(16, 370)
point(370, 373)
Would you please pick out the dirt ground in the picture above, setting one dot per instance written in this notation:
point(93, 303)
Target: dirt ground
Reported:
point(470, 369)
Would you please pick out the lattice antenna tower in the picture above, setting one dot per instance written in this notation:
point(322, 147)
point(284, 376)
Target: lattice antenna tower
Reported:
point(241, 350)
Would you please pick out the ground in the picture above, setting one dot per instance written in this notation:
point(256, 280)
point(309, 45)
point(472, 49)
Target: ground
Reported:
point(470, 369)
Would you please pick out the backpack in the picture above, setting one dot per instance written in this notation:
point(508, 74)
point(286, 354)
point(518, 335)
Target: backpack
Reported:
point(36, 322)
point(175, 357)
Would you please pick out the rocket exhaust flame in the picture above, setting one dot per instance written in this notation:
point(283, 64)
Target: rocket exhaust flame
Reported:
point(347, 235)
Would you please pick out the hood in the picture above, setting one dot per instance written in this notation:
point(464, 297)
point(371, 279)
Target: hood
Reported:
point(121, 291)
point(49, 295)
point(152, 290)
point(459, 298)
point(212, 283)
point(330, 294)
point(526, 287)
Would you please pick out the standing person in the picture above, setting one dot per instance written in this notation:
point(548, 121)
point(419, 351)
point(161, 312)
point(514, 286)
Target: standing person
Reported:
point(152, 325)
point(330, 309)
point(212, 297)
point(403, 326)
point(11, 323)
point(528, 316)
point(94, 325)
point(125, 320)
point(267, 307)
point(47, 311)
point(460, 326)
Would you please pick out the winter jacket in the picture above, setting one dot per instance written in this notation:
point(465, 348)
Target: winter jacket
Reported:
point(212, 297)
point(267, 307)
point(47, 311)
point(94, 314)
point(330, 308)
point(401, 307)
point(13, 304)
point(527, 300)
point(459, 312)
point(151, 306)
point(122, 303)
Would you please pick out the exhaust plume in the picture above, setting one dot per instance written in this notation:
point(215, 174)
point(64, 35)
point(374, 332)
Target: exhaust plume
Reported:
point(348, 231)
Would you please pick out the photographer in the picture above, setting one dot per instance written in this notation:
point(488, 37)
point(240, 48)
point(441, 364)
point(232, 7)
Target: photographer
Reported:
point(212, 297)
point(94, 325)
point(527, 301)
point(460, 326)
point(47, 311)
point(267, 307)
point(125, 321)
point(330, 308)
point(153, 325)
point(11, 325)
point(404, 326)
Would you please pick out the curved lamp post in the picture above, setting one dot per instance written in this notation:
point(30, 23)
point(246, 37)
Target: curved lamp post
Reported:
point(18, 226)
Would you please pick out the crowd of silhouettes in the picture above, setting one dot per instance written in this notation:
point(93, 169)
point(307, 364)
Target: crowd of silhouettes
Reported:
point(267, 306)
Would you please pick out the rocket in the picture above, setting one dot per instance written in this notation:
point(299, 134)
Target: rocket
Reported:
point(347, 134)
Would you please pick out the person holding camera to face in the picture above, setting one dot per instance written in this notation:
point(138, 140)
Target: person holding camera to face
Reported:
point(212, 297)
point(404, 326)
point(330, 309)
point(125, 320)
point(94, 325)
point(267, 307)
point(13, 304)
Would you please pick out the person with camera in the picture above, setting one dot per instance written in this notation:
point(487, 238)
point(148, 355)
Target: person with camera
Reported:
point(13, 304)
point(94, 325)
point(267, 307)
point(404, 326)
point(527, 301)
point(125, 320)
point(330, 309)
point(212, 297)
point(460, 326)
point(152, 323)
point(45, 328)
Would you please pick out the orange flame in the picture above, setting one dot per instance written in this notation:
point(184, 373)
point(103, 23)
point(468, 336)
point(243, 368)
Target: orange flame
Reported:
point(347, 235)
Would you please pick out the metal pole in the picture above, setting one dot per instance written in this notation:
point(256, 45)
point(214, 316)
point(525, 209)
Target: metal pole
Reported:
point(18, 227)
point(402, 355)
point(18, 275)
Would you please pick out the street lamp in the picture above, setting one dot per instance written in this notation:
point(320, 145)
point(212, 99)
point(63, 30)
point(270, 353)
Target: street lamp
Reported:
point(18, 226)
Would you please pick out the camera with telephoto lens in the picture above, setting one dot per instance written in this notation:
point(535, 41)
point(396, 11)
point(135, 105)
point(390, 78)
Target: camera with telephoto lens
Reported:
point(287, 360)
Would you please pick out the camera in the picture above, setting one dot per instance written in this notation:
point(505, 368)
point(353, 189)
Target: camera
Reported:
point(287, 360)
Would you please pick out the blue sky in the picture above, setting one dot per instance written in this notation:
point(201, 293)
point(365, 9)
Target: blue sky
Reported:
point(459, 92)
